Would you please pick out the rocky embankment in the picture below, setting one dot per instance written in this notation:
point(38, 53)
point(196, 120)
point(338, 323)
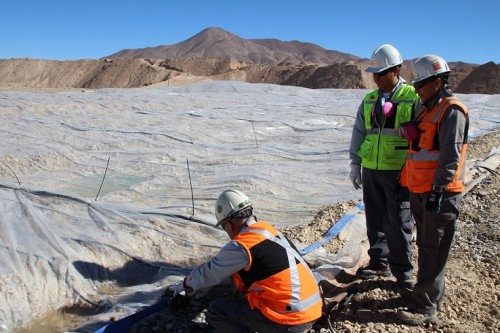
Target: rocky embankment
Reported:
point(472, 278)
point(29, 74)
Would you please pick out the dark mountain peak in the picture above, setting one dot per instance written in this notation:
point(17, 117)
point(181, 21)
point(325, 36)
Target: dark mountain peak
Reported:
point(215, 42)
point(208, 39)
point(215, 31)
point(213, 34)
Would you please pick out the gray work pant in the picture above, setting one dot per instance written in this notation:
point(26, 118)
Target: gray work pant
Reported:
point(389, 223)
point(235, 316)
point(434, 236)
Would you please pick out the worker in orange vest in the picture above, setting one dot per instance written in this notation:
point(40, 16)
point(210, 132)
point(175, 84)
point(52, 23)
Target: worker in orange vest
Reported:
point(280, 291)
point(434, 173)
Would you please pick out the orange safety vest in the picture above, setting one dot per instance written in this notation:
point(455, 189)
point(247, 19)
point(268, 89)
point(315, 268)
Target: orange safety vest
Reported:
point(423, 153)
point(277, 280)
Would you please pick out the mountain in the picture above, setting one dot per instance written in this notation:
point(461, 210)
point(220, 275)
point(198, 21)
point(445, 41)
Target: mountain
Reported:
point(216, 54)
point(219, 43)
point(485, 78)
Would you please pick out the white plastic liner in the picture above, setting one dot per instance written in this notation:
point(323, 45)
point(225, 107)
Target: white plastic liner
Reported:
point(64, 240)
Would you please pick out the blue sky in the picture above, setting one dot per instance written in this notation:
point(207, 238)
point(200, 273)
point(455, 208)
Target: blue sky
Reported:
point(457, 30)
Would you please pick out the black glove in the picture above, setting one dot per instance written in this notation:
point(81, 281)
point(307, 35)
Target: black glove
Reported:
point(173, 290)
point(434, 201)
point(176, 293)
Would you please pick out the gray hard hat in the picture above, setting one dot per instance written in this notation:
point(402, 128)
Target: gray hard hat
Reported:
point(229, 204)
point(384, 57)
point(427, 66)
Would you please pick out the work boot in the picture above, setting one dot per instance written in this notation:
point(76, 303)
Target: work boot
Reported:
point(415, 318)
point(370, 271)
point(405, 288)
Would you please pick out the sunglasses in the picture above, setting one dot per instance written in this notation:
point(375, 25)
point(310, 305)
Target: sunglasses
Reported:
point(387, 71)
point(422, 83)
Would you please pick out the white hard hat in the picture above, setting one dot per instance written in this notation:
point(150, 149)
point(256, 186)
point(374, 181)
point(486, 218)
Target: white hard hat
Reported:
point(384, 57)
point(427, 66)
point(229, 203)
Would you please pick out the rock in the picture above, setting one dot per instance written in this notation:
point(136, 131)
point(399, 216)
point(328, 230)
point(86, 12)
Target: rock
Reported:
point(472, 275)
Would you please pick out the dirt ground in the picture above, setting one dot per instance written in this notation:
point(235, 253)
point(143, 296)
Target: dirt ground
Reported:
point(472, 296)
point(472, 275)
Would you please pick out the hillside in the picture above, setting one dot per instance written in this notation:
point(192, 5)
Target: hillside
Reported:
point(219, 43)
point(215, 54)
point(485, 78)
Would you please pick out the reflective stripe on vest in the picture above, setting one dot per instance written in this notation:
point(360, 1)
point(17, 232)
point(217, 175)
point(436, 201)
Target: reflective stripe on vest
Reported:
point(294, 302)
point(385, 131)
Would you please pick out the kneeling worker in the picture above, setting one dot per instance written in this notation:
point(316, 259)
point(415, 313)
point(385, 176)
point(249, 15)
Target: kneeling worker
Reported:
point(280, 291)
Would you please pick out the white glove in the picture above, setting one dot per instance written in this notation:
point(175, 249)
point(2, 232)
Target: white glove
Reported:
point(355, 176)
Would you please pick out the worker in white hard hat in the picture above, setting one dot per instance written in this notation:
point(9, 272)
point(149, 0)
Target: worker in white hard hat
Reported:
point(434, 173)
point(280, 291)
point(377, 154)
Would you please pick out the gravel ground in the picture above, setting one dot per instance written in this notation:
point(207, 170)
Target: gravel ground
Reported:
point(472, 274)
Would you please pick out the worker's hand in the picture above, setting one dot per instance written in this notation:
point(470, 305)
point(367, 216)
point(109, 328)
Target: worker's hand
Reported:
point(356, 176)
point(173, 290)
point(434, 201)
point(409, 131)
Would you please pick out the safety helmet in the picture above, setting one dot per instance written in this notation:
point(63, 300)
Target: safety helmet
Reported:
point(427, 66)
point(229, 204)
point(384, 57)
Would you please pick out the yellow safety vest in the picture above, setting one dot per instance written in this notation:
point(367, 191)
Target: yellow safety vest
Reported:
point(382, 148)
